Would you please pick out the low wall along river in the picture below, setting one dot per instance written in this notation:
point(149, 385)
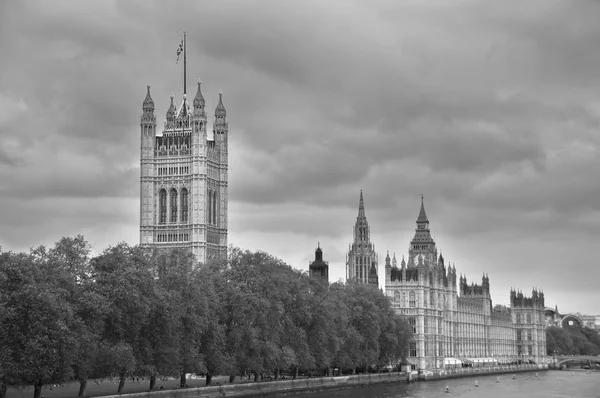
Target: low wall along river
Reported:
point(288, 387)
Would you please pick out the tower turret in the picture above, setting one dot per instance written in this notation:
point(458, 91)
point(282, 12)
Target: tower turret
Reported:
point(148, 133)
point(199, 103)
point(171, 114)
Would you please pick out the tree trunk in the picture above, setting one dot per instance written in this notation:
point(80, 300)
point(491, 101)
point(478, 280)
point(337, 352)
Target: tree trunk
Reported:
point(255, 376)
point(296, 372)
point(121, 383)
point(3, 388)
point(330, 371)
point(182, 380)
point(277, 374)
point(353, 369)
point(231, 378)
point(152, 383)
point(37, 390)
point(82, 385)
point(208, 379)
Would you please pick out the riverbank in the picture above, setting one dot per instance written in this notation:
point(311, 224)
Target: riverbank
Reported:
point(299, 386)
point(487, 371)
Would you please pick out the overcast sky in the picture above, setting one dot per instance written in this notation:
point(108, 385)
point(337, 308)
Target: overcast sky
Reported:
point(491, 109)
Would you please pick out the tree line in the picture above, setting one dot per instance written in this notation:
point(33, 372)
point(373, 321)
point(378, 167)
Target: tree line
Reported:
point(572, 340)
point(130, 311)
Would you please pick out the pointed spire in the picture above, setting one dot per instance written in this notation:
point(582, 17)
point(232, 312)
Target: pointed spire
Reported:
point(199, 98)
point(220, 111)
point(148, 102)
point(171, 110)
point(361, 206)
point(422, 216)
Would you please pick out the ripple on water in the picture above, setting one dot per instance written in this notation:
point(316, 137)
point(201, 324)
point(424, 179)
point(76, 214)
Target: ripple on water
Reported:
point(554, 384)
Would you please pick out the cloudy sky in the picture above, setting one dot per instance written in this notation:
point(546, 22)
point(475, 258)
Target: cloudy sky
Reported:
point(490, 109)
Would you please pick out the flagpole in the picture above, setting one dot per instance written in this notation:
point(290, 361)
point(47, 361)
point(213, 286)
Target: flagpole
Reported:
point(184, 66)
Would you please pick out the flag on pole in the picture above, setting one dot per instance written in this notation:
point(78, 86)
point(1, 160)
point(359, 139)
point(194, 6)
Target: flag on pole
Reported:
point(179, 50)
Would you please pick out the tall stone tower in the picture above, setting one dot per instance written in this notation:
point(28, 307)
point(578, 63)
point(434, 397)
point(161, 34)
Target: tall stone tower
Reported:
point(528, 317)
point(183, 193)
point(361, 260)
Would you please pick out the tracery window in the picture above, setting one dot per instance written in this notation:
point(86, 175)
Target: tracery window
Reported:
point(529, 319)
point(412, 302)
point(173, 205)
point(412, 349)
point(214, 207)
point(412, 321)
point(209, 206)
point(184, 205)
point(162, 205)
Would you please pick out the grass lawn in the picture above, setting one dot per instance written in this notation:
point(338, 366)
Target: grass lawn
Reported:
point(106, 387)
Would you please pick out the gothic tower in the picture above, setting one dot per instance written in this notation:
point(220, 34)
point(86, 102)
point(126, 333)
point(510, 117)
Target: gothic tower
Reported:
point(319, 268)
point(183, 194)
point(361, 260)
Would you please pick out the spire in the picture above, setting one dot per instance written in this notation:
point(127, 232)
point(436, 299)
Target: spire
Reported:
point(220, 111)
point(199, 98)
point(422, 216)
point(148, 102)
point(171, 110)
point(361, 206)
point(319, 253)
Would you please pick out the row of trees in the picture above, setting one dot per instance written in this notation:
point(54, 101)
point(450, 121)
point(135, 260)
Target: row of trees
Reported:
point(572, 340)
point(131, 312)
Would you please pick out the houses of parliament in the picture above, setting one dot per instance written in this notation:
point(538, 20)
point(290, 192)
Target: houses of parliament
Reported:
point(452, 318)
point(184, 204)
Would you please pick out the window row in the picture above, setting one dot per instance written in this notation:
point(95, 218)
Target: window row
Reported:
point(173, 170)
point(169, 207)
point(181, 237)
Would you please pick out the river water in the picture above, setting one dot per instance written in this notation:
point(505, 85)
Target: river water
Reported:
point(554, 384)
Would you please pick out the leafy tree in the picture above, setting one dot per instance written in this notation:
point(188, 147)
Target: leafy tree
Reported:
point(124, 276)
point(39, 322)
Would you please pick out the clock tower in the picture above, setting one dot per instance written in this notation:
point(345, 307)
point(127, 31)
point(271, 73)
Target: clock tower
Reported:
point(422, 247)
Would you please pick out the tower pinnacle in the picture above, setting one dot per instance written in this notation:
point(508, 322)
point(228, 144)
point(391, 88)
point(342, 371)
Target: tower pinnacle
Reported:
point(422, 215)
point(148, 102)
point(361, 206)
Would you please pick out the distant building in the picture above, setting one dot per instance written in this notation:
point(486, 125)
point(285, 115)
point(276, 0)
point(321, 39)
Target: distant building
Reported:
point(361, 260)
point(554, 318)
point(591, 321)
point(458, 322)
point(319, 268)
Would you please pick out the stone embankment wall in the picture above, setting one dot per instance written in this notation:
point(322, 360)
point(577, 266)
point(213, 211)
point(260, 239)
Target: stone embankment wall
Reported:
point(290, 387)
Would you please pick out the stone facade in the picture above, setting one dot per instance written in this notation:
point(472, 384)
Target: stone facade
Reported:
point(454, 319)
point(183, 194)
point(361, 259)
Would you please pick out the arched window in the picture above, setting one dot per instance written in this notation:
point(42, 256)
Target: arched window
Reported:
point(397, 295)
point(209, 206)
point(162, 206)
point(214, 207)
point(173, 205)
point(184, 205)
point(412, 302)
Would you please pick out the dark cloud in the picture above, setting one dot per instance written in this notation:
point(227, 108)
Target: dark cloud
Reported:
point(490, 112)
